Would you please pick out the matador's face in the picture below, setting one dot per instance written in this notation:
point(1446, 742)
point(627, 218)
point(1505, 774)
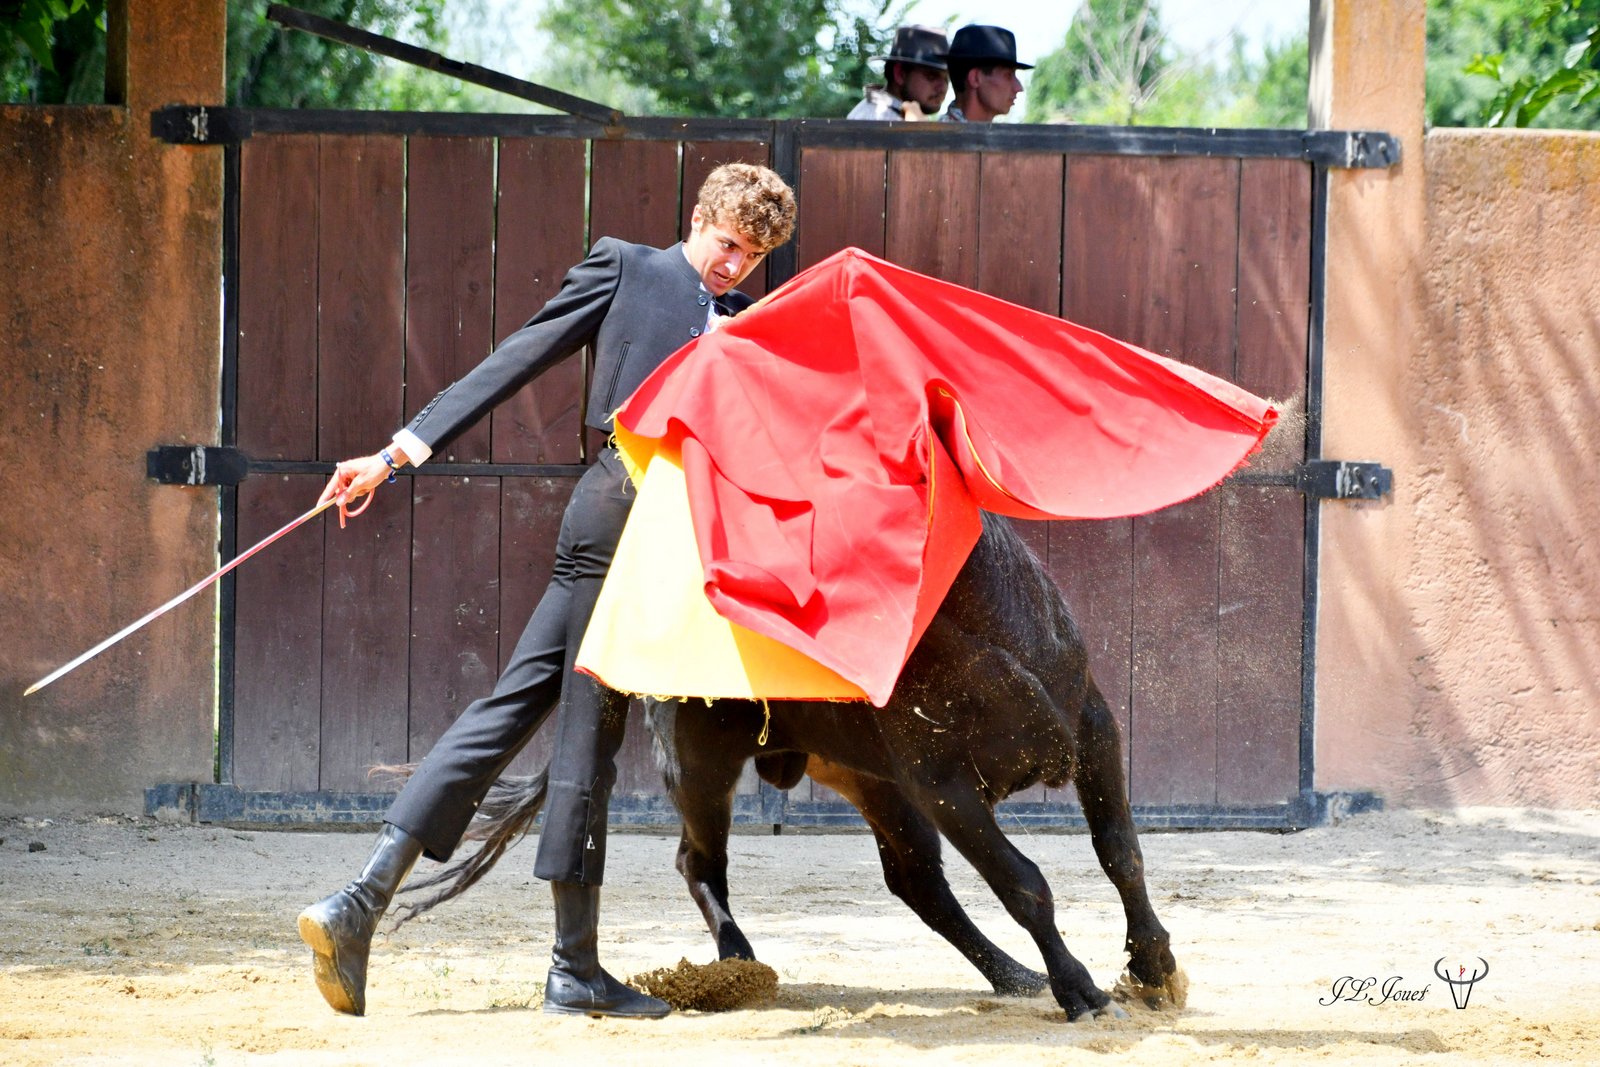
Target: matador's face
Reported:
point(721, 255)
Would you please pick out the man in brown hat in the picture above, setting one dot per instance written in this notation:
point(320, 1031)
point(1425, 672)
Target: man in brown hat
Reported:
point(983, 66)
point(914, 78)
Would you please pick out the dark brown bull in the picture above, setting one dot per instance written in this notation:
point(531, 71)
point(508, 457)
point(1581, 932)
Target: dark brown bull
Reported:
point(997, 696)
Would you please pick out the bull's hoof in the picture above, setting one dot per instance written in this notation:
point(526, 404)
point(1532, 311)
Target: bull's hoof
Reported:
point(1110, 1010)
point(1172, 991)
point(1019, 982)
point(1090, 1003)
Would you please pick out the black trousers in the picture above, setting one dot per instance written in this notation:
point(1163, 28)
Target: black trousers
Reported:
point(438, 801)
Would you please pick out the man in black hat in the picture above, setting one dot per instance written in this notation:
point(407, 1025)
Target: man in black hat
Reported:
point(983, 66)
point(914, 78)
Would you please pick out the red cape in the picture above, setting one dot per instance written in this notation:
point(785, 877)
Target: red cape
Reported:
point(839, 438)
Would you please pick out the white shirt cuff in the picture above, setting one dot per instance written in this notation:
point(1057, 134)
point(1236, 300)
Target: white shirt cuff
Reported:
point(412, 445)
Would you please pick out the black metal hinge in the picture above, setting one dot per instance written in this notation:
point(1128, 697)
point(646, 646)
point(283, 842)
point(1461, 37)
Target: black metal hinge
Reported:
point(1328, 479)
point(196, 465)
point(1339, 479)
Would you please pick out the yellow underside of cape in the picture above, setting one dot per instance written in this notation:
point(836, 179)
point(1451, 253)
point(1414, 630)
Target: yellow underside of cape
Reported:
point(653, 630)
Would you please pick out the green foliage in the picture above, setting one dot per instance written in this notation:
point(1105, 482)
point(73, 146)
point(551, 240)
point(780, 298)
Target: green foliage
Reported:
point(269, 66)
point(1521, 99)
point(1498, 63)
point(775, 59)
point(52, 51)
point(1118, 67)
point(1114, 65)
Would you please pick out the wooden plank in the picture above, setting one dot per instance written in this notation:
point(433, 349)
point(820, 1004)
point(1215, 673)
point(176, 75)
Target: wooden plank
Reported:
point(530, 519)
point(1153, 248)
point(634, 192)
point(634, 197)
point(360, 290)
point(277, 360)
point(842, 195)
point(1091, 563)
point(932, 218)
point(540, 235)
point(1019, 228)
point(1275, 297)
point(277, 636)
point(700, 158)
point(1260, 589)
point(1261, 577)
point(366, 595)
point(365, 617)
point(455, 602)
point(1173, 754)
point(449, 274)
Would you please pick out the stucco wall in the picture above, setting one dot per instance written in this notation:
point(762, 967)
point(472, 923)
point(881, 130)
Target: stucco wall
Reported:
point(1504, 393)
point(111, 245)
point(1458, 660)
point(1368, 74)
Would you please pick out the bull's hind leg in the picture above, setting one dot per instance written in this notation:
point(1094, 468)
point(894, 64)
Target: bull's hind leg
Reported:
point(908, 845)
point(1103, 791)
point(961, 815)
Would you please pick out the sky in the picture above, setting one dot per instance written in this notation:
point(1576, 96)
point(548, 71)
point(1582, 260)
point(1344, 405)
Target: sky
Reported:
point(1041, 25)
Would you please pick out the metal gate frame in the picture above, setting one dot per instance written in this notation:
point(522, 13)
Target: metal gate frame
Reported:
point(1317, 478)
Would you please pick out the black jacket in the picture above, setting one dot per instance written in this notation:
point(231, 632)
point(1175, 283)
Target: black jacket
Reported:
point(635, 304)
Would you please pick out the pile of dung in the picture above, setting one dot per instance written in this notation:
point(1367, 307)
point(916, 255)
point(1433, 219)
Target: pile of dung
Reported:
point(721, 986)
point(1173, 993)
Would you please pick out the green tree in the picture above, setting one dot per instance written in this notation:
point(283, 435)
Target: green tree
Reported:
point(52, 51)
point(1114, 64)
point(1496, 62)
point(269, 66)
point(1275, 91)
point(1118, 67)
point(1521, 99)
point(774, 59)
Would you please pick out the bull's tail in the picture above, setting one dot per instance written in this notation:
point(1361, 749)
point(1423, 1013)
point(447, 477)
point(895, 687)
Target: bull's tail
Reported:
point(506, 815)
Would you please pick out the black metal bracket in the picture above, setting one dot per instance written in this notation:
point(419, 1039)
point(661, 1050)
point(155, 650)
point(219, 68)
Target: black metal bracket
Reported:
point(1339, 479)
point(220, 465)
point(196, 465)
point(1327, 479)
point(194, 124)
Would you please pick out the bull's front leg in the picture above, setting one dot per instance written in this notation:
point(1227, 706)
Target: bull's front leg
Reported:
point(908, 847)
point(1103, 791)
point(701, 767)
point(968, 823)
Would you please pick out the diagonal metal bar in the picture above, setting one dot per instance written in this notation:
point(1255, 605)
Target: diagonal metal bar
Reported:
point(296, 19)
point(179, 599)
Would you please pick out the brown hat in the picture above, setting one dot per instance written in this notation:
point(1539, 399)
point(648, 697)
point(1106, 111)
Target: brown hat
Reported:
point(985, 44)
point(921, 45)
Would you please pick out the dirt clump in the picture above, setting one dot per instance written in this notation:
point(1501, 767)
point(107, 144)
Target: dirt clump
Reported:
point(725, 985)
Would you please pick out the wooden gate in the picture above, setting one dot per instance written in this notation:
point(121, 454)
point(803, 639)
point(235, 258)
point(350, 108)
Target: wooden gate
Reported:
point(373, 259)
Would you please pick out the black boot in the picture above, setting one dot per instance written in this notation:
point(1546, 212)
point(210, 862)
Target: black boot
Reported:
point(339, 928)
point(577, 984)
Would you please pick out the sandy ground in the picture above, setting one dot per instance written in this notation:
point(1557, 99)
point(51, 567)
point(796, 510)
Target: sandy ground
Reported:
point(130, 941)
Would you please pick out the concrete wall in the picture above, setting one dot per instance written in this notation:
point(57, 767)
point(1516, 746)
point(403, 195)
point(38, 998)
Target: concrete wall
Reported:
point(1457, 659)
point(111, 245)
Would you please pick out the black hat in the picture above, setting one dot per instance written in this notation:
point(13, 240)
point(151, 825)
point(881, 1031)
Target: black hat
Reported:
point(985, 44)
point(922, 45)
